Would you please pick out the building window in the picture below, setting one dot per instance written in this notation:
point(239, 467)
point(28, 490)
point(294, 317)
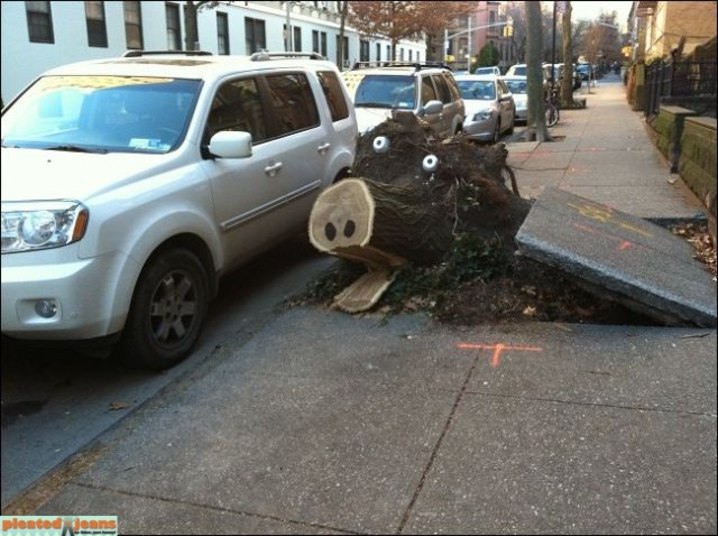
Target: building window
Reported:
point(96, 28)
point(378, 51)
point(388, 52)
point(297, 38)
point(222, 34)
point(363, 50)
point(319, 42)
point(39, 22)
point(174, 37)
point(254, 35)
point(133, 25)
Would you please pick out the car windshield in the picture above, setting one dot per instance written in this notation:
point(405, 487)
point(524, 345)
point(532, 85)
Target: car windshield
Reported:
point(517, 86)
point(521, 71)
point(485, 70)
point(477, 89)
point(386, 91)
point(101, 114)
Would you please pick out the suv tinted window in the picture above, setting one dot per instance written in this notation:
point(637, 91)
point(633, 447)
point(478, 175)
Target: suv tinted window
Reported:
point(292, 102)
point(333, 93)
point(444, 94)
point(427, 90)
point(453, 88)
point(237, 106)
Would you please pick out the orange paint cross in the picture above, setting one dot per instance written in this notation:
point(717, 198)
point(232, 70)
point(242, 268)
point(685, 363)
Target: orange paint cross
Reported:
point(497, 348)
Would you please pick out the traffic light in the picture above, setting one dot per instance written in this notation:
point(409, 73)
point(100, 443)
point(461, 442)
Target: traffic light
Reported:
point(509, 28)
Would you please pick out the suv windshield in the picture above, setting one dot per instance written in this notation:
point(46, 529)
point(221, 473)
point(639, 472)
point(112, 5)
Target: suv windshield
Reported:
point(386, 91)
point(101, 114)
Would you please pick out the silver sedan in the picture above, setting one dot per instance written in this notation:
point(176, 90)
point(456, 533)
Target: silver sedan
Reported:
point(490, 107)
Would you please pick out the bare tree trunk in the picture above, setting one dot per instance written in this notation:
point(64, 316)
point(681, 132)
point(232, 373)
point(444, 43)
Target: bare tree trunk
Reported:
point(190, 25)
point(344, 7)
point(536, 125)
point(567, 82)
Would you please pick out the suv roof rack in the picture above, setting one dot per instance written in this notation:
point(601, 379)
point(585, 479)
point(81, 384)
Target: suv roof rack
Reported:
point(415, 65)
point(265, 56)
point(139, 53)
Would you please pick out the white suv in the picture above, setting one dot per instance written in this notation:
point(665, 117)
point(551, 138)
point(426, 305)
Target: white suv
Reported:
point(427, 90)
point(131, 184)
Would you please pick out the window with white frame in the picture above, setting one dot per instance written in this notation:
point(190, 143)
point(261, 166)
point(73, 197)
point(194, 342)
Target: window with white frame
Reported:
point(222, 34)
point(174, 33)
point(39, 22)
point(133, 25)
point(96, 27)
point(254, 35)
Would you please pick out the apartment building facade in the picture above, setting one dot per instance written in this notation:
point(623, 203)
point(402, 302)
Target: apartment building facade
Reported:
point(39, 35)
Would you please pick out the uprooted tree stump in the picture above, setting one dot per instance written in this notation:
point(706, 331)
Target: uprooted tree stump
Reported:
point(411, 194)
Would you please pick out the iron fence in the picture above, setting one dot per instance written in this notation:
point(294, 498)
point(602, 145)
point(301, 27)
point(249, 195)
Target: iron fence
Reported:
point(679, 79)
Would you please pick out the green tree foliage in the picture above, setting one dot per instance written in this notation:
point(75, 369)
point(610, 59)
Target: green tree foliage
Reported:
point(489, 55)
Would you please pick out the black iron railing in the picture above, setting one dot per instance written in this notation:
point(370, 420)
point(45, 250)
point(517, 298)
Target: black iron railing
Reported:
point(679, 79)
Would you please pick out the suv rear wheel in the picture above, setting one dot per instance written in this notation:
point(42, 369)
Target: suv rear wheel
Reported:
point(167, 311)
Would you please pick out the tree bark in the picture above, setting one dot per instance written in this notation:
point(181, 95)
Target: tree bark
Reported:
point(383, 224)
point(190, 25)
point(536, 125)
point(567, 82)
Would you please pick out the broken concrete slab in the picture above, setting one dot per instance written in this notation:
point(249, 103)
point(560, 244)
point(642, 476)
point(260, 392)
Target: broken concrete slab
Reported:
point(621, 257)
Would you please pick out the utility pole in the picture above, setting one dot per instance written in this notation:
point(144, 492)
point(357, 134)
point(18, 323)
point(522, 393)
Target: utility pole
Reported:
point(553, 48)
point(289, 42)
point(468, 48)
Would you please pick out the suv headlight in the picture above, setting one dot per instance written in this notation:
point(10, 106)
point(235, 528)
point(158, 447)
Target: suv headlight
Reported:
point(483, 115)
point(42, 225)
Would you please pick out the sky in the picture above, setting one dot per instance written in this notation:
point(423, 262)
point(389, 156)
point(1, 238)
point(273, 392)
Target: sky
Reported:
point(591, 10)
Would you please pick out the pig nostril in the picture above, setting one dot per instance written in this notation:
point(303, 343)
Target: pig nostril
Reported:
point(349, 228)
point(330, 231)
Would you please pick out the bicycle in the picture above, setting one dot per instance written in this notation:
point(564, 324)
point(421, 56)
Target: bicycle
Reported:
point(551, 108)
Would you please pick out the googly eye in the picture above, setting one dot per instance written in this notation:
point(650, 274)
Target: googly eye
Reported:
point(430, 163)
point(381, 144)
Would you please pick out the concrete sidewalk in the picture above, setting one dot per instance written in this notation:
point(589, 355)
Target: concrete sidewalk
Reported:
point(604, 153)
point(329, 423)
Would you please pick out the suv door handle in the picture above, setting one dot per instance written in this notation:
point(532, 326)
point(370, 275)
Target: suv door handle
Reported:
point(272, 169)
point(322, 149)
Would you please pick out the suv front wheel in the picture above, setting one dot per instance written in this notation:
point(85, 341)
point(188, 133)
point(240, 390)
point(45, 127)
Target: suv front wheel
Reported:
point(167, 311)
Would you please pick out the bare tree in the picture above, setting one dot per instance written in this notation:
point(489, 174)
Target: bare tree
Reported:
point(536, 125)
point(191, 36)
point(343, 12)
point(567, 46)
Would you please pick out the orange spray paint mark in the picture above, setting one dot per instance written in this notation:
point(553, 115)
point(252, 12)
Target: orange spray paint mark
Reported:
point(498, 349)
point(622, 244)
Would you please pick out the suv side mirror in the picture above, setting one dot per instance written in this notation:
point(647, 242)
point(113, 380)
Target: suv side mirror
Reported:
point(231, 144)
point(433, 107)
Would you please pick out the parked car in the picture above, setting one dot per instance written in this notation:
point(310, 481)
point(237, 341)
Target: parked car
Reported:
point(427, 90)
point(584, 70)
point(520, 70)
point(518, 86)
point(130, 185)
point(490, 108)
point(558, 75)
point(488, 70)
